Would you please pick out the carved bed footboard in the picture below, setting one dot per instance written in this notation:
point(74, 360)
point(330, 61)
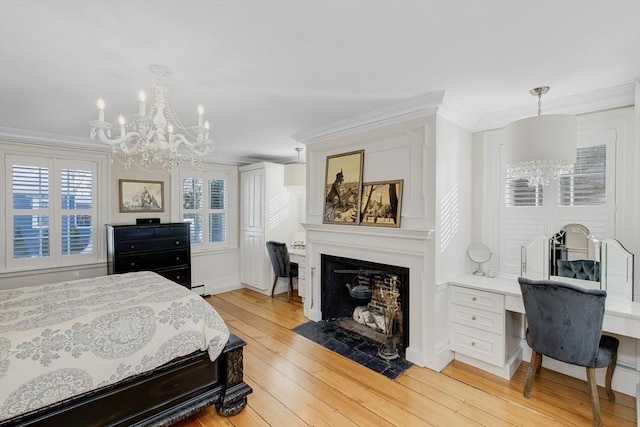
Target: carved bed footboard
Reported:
point(160, 397)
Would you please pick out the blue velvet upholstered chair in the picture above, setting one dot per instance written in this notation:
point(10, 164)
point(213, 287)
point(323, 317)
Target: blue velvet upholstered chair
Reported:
point(564, 322)
point(282, 267)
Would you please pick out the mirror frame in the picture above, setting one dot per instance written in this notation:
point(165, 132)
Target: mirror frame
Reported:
point(621, 286)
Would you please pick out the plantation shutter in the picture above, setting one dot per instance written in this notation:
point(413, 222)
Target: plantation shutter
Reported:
point(192, 207)
point(204, 205)
point(30, 211)
point(76, 193)
point(217, 210)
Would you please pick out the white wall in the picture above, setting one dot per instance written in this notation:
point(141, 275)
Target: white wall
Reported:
point(118, 172)
point(453, 198)
point(392, 152)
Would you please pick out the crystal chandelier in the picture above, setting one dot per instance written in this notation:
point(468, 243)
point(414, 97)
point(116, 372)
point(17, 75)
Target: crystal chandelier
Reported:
point(540, 149)
point(155, 139)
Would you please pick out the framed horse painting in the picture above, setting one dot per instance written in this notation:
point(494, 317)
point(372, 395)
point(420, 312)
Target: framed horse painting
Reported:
point(343, 188)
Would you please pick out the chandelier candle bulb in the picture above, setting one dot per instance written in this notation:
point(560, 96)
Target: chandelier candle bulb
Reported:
point(200, 115)
point(142, 97)
point(121, 122)
point(101, 106)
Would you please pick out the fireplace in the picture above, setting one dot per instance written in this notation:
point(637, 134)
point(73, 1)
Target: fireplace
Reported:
point(368, 298)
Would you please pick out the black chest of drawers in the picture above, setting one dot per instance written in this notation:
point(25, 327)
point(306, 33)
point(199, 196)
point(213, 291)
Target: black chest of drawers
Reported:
point(163, 248)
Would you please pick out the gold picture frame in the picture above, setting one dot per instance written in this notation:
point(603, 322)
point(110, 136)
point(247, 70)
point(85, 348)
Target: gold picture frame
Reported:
point(141, 196)
point(381, 204)
point(343, 186)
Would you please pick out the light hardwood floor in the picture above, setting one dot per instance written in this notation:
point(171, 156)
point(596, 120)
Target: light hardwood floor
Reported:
point(299, 383)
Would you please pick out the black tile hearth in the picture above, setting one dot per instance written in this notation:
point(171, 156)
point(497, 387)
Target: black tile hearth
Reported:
point(349, 344)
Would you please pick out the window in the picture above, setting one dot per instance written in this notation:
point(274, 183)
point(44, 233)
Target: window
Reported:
point(519, 193)
point(583, 195)
point(585, 184)
point(52, 213)
point(205, 206)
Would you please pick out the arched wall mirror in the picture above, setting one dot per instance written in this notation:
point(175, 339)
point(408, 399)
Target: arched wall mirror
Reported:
point(573, 255)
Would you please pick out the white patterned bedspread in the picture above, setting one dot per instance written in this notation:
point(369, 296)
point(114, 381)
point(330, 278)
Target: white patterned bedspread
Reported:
point(63, 339)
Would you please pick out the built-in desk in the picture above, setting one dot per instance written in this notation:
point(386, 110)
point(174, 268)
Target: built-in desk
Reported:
point(486, 319)
point(620, 317)
point(299, 256)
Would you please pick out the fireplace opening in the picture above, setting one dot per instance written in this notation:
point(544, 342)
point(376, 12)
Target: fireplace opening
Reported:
point(369, 299)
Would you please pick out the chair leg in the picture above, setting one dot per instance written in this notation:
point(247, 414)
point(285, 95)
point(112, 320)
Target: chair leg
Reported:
point(595, 402)
point(290, 289)
point(609, 377)
point(536, 359)
point(539, 366)
point(273, 287)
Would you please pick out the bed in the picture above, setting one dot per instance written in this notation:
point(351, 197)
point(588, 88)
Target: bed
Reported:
point(125, 349)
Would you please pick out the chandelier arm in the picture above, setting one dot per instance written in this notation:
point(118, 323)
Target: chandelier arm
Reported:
point(122, 141)
point(195, 147)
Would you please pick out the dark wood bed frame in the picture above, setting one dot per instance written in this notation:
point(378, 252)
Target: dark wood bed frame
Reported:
point(160, 397)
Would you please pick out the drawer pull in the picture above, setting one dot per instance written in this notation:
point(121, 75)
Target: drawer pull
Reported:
point(178, 277)
point(177, 258)
point(474, 299)
point(177, 242)
point(473, 343)
point(133, 264)
point(473, 317)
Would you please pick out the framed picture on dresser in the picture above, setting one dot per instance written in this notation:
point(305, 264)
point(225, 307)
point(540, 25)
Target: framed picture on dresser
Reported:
point(141, 196)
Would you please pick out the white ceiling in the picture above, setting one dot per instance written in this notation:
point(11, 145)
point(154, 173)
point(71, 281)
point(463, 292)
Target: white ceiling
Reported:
point(265, 70)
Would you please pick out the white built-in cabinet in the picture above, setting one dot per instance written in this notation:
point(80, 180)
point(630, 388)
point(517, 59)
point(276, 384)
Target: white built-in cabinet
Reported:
point(267, 212)
point(483, 333)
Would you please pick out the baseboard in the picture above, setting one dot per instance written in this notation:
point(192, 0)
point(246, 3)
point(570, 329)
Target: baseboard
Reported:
point(218, 286)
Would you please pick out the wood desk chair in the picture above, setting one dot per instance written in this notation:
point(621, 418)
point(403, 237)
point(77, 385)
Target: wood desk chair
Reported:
point(564, 322)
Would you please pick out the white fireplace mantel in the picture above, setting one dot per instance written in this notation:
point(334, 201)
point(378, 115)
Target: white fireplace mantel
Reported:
point(392, 246)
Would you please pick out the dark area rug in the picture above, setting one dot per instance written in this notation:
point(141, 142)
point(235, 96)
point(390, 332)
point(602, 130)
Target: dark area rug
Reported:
point(356, 347)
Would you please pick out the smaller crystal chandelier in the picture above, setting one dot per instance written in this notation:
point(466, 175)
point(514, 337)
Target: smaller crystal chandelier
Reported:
point(540, 149)
point(155, 139)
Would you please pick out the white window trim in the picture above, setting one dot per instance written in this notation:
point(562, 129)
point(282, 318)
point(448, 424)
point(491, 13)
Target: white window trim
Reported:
point(209, 171)
point(61, 157)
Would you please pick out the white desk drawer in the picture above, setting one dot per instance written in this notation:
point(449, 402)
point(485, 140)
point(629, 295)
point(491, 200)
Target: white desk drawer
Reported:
point(478, 344)
point(477, 299)
point(481, 319)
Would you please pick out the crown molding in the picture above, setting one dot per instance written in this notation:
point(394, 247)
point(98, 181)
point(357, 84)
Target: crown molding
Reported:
point(66, 141)
point(589, 102)
point(452, 110)
point(43, 138)
point(422, 106)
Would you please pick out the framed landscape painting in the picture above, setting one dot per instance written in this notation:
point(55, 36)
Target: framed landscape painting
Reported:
point(141, 196)
point(381, 203)
point(343, 184)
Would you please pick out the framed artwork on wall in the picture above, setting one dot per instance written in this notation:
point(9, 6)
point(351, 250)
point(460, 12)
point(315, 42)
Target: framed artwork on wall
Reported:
point(141, 196)
point(381, 203)
point(343, 186)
